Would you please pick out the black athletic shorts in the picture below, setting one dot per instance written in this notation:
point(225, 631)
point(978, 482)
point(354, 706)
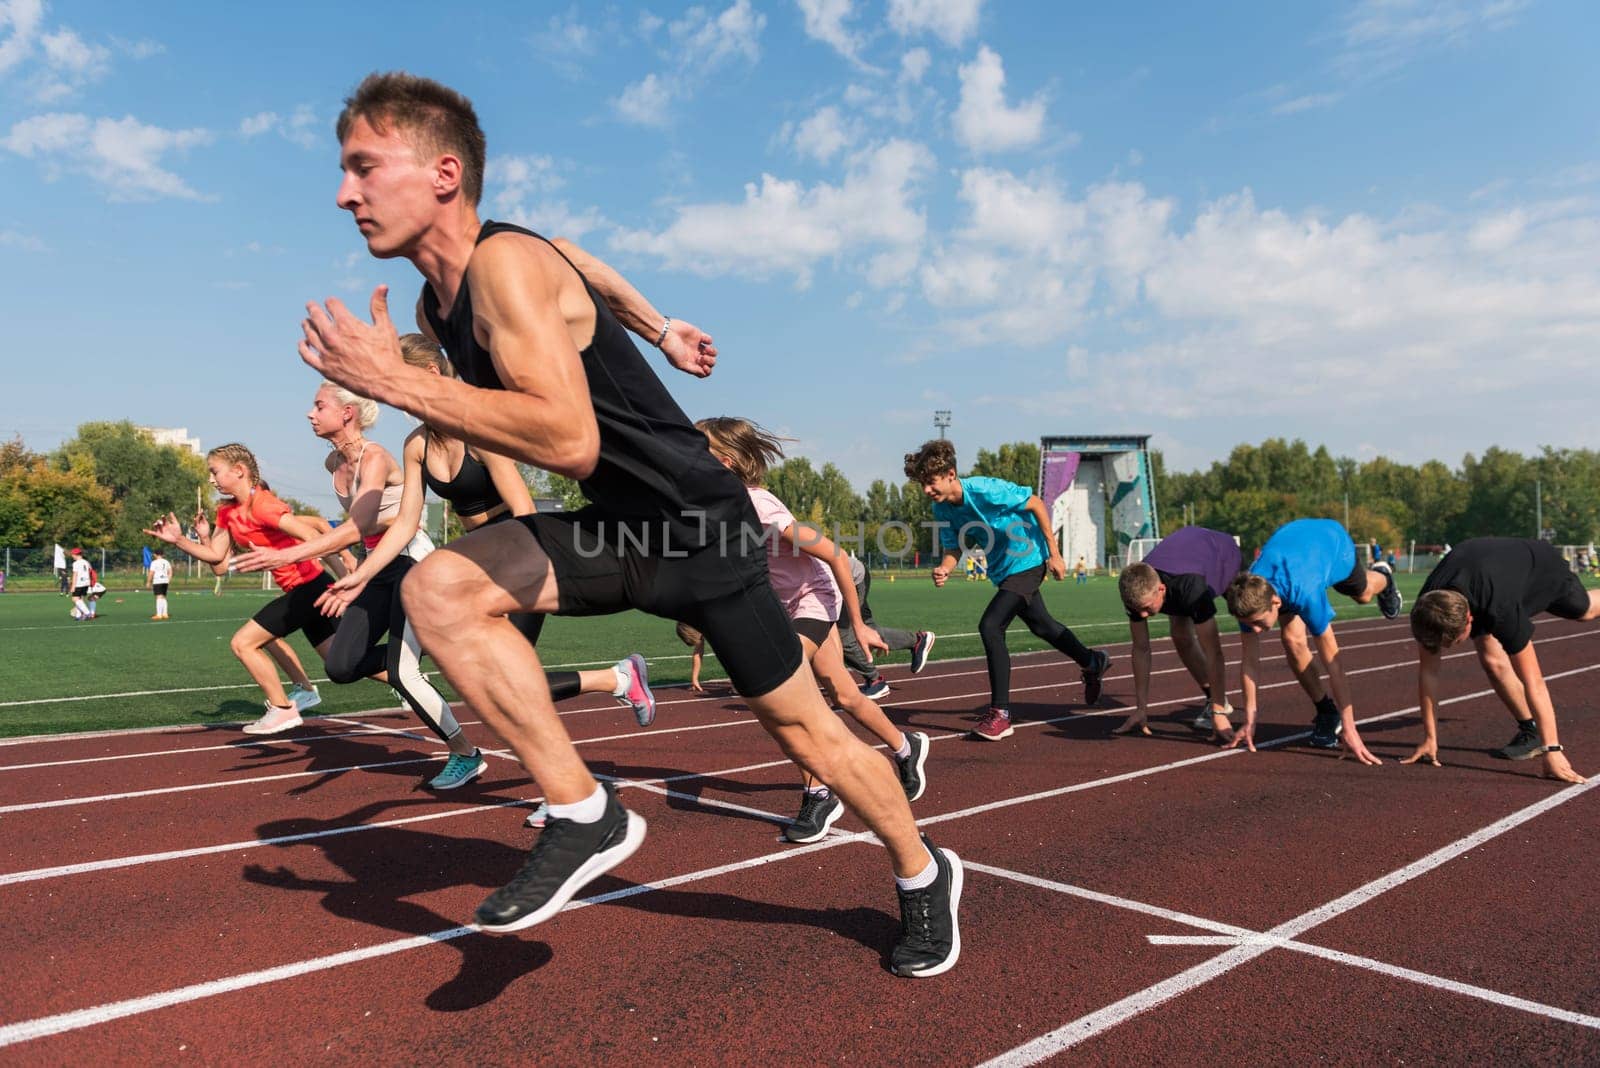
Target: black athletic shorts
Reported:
point(297, 611)
point(80, 591)
point(1355, 584)
point(604, 564)
point(1574, 599)
point(1024, 583)
point(159, 589)
point(816, 630)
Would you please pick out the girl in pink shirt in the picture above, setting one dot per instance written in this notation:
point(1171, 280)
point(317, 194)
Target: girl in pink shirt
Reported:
point(812, 579)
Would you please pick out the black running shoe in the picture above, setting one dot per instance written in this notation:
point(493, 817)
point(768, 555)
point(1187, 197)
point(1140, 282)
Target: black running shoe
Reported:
point(817, 814)
point(876, 690)
point(1389, 601)
point(1325, 729)
point(920, 651)
point(910, 768)
point(566, 858)
point(1525, 745)
point(1093, 675)
point(930, 936)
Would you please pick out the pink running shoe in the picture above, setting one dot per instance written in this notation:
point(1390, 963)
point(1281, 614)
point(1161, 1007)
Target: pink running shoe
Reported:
point(994, 726)
point(637, 696)
point(276, 720)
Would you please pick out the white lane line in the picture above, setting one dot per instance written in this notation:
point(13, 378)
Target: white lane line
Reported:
point(76, 1020)
point(1235, 936)
point(32, 806)
point(1095, 1023)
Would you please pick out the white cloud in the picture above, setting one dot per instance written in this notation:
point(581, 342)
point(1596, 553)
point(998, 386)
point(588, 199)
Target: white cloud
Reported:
point(22, 18)
point(18, 240)
point(714, 39)
point(823, 135)
point(1309, 102)
point(1379, 36)
point(914, 64)
point(646, 102)
point(786, 227)
point(123, 155)
point(301, 127)
point(521, 189)
point(1498, 232)
point(983, 121)
point(565, 35)
point(825, 21)
point(952, 21)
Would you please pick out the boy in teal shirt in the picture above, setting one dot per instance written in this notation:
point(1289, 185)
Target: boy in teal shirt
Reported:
point(1020, 551)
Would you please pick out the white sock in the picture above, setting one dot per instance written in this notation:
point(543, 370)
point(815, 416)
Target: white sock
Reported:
point(905, 747)
point(624, 673)
point(817, 790)
point(161, 606)
point(589, 810)
point(923, 878)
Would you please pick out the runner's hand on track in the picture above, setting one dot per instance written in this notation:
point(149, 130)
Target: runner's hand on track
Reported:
point(1556, 767)
point(1350, 742)
point(1245, 734)
point(1426, 753)
point(689, 349)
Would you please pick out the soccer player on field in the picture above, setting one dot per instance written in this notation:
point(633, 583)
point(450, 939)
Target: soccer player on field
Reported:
point(1490, 589)
point(1288, 584)
point(1015, 522)
point(157, 578)
point(1182, 577)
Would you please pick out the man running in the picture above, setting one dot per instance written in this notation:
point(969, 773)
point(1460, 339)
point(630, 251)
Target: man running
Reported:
point(1182, 577)
point(1490, 589)
point(550, 377)
point(1289, 583)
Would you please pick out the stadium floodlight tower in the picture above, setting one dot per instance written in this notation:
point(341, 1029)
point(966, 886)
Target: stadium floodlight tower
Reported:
point(941, 421)
point(1083, 477)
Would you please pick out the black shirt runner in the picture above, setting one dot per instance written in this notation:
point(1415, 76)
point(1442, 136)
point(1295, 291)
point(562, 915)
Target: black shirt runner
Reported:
point(1508, 581)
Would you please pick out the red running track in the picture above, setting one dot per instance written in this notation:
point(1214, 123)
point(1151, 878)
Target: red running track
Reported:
point(1129, 900)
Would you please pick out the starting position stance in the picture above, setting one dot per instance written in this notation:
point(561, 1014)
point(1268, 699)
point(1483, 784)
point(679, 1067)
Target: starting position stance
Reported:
point(1182, 577)
point(1490, 589)
point(1289, 583)
point(1011, 517)
point(548, 376)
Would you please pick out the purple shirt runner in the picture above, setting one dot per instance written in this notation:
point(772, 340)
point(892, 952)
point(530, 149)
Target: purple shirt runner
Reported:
point(1198, 551)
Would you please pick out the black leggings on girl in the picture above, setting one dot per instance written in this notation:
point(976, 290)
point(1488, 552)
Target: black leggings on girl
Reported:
point(1007, 605)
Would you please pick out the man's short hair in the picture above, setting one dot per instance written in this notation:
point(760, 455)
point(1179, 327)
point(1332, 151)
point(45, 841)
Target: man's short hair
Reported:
point(436, 119)
point(932, 460)
point(1438, 618)
point(1137, 585)
point(1248, 595)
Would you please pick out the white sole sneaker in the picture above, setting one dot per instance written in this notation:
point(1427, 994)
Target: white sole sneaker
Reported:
point(957, 879)
point(276, 728)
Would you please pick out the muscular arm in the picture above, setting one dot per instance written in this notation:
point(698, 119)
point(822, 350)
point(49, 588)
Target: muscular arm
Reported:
point(1055, 564)
point(1249, 673)
point(1328, 647)
point(1139, 631)
point(1216, 662)
point(1428, 704)
point(686, 346)
point(1525, 662)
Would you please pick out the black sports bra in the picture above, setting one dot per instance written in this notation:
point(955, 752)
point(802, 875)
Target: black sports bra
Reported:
point(471, 492)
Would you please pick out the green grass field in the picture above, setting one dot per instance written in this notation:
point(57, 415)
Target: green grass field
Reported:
point(123, 670)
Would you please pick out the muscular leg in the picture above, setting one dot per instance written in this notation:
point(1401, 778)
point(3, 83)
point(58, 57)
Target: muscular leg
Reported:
point(1187, 643)
point(458, 599)
point(1497, 665)
point(249, 645)
point(827, 664)
point(282, 652)
point(1297, 650)
point(812, 736)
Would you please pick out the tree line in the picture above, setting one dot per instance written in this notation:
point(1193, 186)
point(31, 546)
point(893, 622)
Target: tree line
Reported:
point(102, 487)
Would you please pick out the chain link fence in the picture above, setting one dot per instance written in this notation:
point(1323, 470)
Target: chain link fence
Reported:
point(28, 568)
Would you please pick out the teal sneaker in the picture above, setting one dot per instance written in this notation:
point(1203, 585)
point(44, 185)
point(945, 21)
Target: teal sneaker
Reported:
point(303, 698)
point(458, 771)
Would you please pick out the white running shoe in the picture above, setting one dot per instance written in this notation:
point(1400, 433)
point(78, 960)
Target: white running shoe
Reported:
point(537, 817)
point(276, 720)
point(303, 698)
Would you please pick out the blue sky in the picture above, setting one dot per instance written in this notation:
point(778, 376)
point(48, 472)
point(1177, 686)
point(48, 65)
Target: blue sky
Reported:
point(1371, 224)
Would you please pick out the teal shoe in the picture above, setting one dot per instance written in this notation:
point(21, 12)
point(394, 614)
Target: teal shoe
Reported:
point(458, 771)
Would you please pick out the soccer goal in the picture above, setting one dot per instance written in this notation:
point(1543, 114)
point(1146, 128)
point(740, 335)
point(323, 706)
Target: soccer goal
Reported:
point(1139, 548)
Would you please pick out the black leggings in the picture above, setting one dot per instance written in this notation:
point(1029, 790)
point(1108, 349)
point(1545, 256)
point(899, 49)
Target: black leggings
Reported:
point(1006, 606)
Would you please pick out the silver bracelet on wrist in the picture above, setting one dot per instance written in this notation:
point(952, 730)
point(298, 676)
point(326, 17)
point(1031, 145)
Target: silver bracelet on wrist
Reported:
point(666, 324)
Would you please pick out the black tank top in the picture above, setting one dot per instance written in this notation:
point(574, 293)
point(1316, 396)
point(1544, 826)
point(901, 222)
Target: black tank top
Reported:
point(471, 492)
point(653, 464)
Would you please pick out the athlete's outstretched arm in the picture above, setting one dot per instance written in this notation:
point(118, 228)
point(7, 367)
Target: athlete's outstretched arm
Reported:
point(686, 346)
point(543, 416)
